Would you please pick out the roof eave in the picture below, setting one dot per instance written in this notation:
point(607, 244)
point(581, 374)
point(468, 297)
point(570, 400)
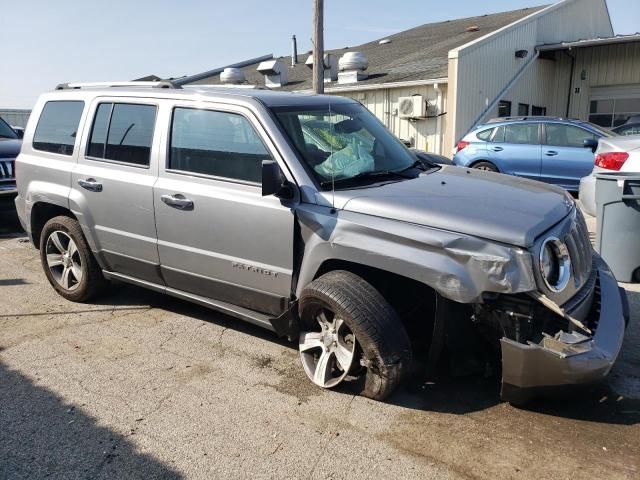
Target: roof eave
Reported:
point(358, 87)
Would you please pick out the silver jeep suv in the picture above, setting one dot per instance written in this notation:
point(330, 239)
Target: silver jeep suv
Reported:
point(304, 215)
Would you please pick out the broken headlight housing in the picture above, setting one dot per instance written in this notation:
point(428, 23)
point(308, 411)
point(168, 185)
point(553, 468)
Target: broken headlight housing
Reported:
point(555, 264)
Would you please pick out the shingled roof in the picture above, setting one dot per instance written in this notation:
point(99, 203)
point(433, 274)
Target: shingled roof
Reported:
point(417, 54)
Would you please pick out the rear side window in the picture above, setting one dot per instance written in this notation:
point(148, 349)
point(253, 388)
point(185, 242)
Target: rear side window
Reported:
point(123, 132)
point(57, 127)
point(566, 135)
point(484, 134)
point(219, 144)
point(522, 133)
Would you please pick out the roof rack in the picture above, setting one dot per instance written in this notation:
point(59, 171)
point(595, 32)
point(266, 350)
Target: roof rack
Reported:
point(529, 117)
point(78, 86)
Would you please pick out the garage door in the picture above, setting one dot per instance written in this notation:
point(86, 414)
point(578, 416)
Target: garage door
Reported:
point(612, 106)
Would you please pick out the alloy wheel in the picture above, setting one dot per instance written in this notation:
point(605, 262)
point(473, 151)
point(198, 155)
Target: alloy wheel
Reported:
point(63, 260)
point(328, 352)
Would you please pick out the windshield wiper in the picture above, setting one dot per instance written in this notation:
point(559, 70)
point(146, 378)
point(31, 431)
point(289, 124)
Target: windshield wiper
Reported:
point(367, 175)
point(417, 164)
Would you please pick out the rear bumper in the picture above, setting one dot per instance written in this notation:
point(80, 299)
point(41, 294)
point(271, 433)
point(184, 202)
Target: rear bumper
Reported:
point(529, 369)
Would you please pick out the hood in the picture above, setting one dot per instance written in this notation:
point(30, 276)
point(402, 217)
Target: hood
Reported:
point(498, 207)
point(9, 147)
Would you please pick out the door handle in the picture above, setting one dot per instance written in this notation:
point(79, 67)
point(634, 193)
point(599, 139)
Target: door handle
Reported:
point(177, 201)
point(497, 149)
point(551, 153)
point(90, 184)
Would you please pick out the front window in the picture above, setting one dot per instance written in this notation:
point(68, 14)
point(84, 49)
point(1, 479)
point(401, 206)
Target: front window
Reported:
point(344, 141)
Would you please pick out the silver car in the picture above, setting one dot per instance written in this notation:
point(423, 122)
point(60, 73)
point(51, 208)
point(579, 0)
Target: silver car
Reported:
point(365, 255)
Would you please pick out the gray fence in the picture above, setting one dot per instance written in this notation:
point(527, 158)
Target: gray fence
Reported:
point(14, 117)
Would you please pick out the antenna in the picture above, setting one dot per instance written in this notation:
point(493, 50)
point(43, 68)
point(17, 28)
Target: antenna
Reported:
point(333, 172)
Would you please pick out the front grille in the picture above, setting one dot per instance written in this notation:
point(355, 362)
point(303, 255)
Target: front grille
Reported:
point(7, 173)
point(577, 241)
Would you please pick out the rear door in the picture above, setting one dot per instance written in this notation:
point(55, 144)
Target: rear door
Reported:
point(112, 186)
point(218, 237)
point(515, 149)
point(565, 160)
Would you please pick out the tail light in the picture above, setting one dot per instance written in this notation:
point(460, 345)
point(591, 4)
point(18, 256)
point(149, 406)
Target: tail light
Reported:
point(611, 160)
point(461, 145)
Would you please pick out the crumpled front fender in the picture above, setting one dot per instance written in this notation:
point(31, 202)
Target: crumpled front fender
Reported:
point(459, 267)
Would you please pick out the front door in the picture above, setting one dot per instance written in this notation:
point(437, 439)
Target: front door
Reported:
point(515, 149)
point(111, 187)
point(218, 237)
point(565, 160)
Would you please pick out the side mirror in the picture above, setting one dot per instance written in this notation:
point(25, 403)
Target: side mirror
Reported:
point(590, 143)
point(19, 132)
point(273, 181)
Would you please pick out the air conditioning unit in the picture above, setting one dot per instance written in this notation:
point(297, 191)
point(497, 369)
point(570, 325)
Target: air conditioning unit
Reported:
point(412, 107)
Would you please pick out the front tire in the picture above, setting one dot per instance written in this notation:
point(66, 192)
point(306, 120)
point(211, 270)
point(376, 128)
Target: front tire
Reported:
point(68, 262)
point(349, 330)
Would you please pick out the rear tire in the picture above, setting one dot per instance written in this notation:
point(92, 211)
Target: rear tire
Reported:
point(485, 166)
point(68, 262)
point(382, 353)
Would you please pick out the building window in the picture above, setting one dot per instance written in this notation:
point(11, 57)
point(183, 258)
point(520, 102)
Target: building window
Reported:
point(504, 108)
point(611, 113)
point(523, 109)
point(538, 111)
point(57, 127)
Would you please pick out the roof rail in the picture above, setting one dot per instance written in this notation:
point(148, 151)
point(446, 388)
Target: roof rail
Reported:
point(77, 86)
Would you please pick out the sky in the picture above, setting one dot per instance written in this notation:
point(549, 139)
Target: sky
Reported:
point(49, 42)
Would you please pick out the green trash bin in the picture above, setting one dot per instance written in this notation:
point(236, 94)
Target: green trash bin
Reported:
point(618, 220)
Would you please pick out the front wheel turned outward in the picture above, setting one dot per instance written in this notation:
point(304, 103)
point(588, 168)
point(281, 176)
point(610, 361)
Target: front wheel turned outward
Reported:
point(350, 333)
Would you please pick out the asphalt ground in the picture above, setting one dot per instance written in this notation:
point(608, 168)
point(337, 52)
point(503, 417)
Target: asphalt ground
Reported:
point(140, 385)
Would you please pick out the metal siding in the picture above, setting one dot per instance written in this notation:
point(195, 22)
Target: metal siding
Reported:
point(485, 67)
point(383, 103)
point(606, 65)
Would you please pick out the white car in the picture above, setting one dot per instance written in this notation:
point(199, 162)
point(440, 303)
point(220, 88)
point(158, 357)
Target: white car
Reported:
point(614, 154)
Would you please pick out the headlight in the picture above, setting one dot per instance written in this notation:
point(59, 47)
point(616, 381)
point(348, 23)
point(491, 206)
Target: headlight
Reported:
point(555, 264)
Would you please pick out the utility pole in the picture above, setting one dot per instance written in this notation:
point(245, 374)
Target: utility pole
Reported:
point(318, 46)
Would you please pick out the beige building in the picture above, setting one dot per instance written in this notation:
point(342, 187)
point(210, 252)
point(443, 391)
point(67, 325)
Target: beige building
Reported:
point(430, 85)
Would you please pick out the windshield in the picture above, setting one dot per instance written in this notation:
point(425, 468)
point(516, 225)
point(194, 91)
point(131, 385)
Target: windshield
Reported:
point(343, 141)
point(6, 131)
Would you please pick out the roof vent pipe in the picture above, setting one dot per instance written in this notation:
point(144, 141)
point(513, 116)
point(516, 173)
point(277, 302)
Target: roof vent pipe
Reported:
point(232, 76)
point(352, 66)
point(294, 51)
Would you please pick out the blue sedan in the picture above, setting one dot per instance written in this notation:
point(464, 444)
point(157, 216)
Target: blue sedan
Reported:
point(548, 149)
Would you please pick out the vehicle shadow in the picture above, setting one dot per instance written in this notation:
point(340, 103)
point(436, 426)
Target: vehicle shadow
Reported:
point(44, 436)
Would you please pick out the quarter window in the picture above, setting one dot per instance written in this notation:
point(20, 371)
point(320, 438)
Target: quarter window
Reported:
point(58, 126)
point(566, 135)
point(484, 134)
point(526, 134)
point(219, 144)
point(123, 132)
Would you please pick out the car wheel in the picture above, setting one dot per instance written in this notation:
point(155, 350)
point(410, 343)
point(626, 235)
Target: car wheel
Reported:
point(350, 333)
point(486, 166)
point(68, 262)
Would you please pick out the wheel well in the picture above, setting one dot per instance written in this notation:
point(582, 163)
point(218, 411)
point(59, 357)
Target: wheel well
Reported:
point(414, 301)
point(41, 213)
point(472, 165)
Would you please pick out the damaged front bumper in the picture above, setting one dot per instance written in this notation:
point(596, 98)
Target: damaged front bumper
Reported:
point(568, 359)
